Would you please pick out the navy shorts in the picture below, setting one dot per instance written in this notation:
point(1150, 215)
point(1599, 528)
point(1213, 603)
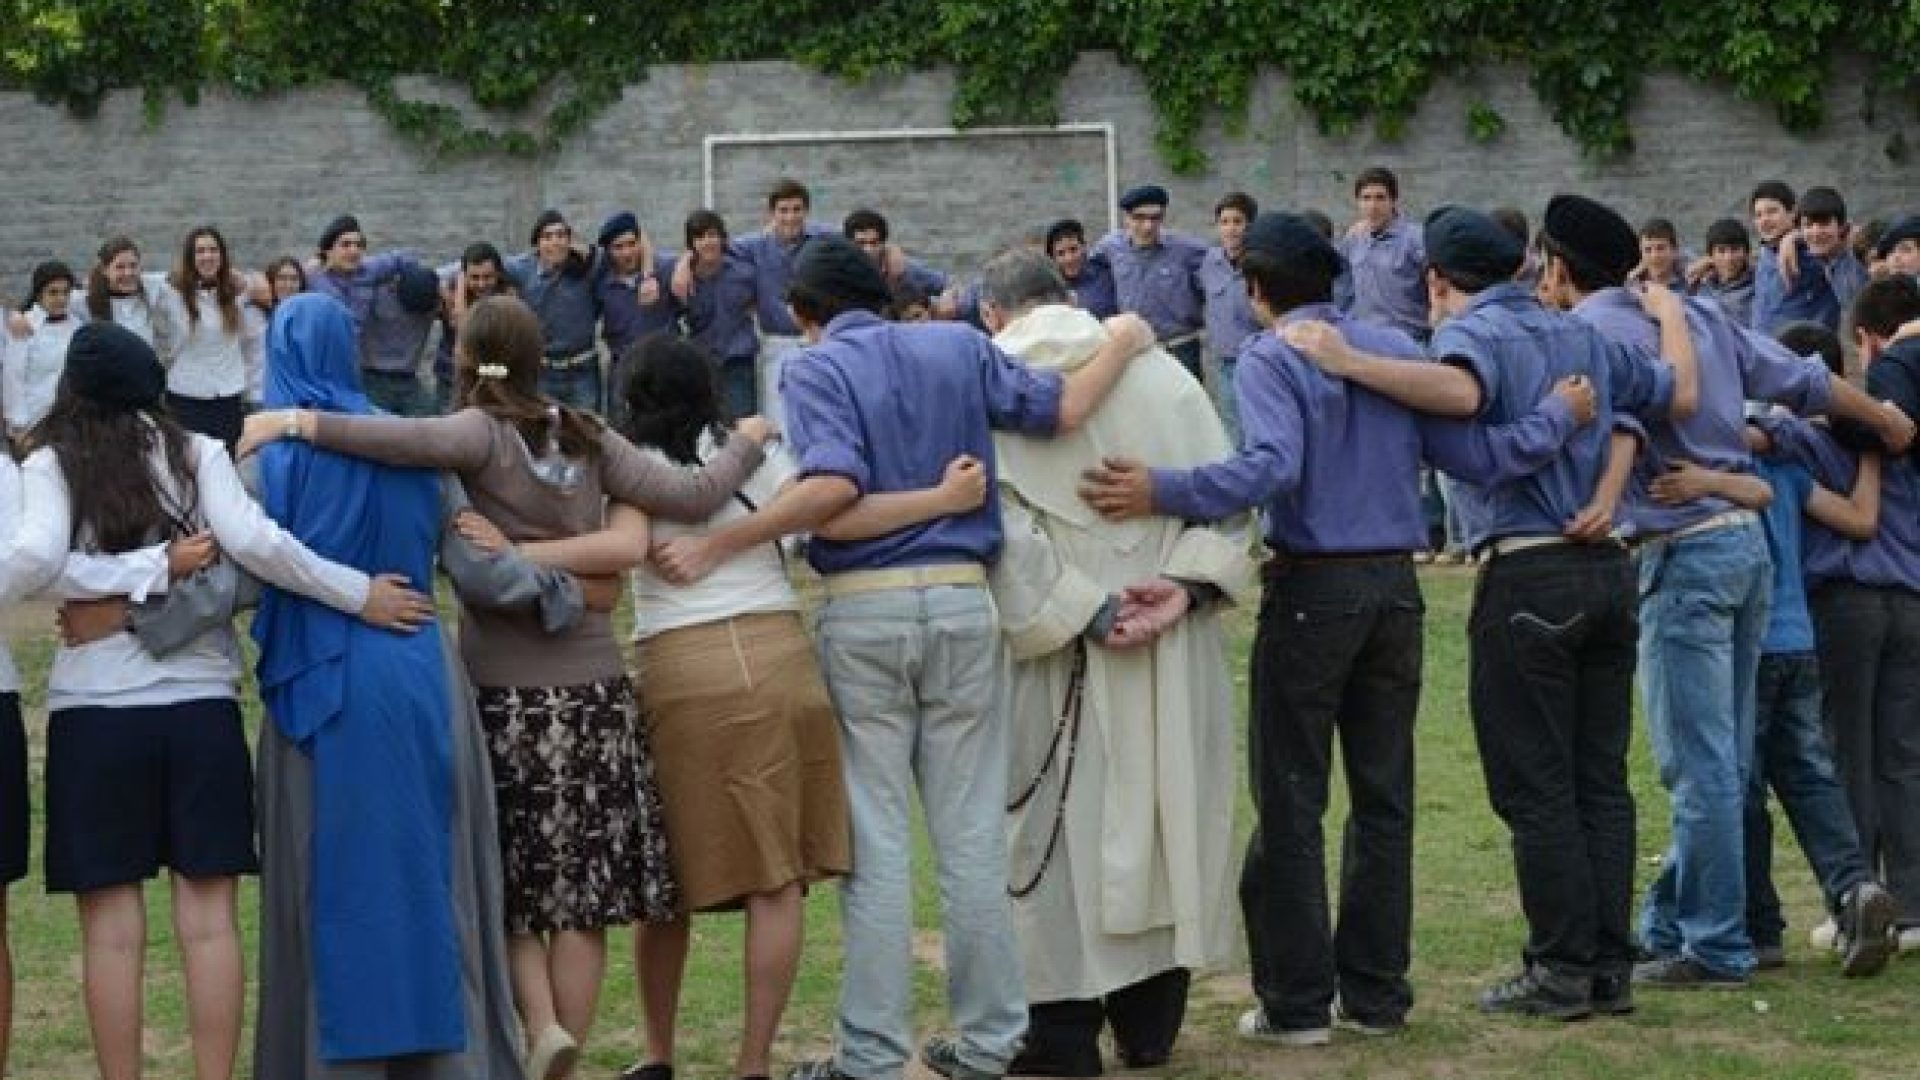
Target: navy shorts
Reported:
point(132, 790)
point(15, 812)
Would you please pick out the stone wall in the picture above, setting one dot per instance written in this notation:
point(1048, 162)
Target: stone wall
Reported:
point(272, 171)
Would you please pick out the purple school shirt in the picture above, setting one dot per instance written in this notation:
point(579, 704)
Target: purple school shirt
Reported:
point(1892, 558)
point(772, 262)
point(623, 318)
point(720, 311)
point(1385, 276)
point(1736, 366)
point(1229, 316)
point(1161, 284)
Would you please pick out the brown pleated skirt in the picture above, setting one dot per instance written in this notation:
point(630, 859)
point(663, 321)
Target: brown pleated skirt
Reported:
point(746, 752)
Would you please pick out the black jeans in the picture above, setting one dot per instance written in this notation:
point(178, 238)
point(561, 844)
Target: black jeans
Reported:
point(1063, 1037)
point(1869, 647)
point(1338, 645)
point(1552, 639)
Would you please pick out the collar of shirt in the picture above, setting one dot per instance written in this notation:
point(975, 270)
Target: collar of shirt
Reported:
point(1507, 293)
point(850, 320)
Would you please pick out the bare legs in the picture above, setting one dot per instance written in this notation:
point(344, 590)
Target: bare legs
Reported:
point(775, 927)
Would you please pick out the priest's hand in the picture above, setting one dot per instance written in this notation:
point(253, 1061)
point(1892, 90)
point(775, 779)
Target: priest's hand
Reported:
point(1147, 610)
point(1120, 489)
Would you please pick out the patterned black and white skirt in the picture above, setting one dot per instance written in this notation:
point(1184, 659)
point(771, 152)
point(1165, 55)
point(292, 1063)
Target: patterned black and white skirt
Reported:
point(582, 840)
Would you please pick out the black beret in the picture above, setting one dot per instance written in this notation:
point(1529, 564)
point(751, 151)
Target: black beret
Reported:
point(617, 226)
point(111, 365)
point(418, 289)
point(1592, 233)
point(1469, 242)
point(1144, 195)
point(1727, 232)
point(336, 229)
point(1293, 240)
point(1907, 228)
point(833, 267)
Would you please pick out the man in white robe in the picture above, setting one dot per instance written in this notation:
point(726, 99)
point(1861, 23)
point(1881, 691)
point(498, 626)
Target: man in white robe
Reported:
point(1121, 830)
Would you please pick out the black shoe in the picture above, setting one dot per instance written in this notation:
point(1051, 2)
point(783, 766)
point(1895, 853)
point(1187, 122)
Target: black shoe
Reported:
point(1866, 923)
point(1037, 1062)
point(1770, 957)
point(942, 1055)
point(1683, 973)
point(649, 1070)
point(1613, 993)
point(1140, 1059)
point(1378, 1027)
point(1542, 992)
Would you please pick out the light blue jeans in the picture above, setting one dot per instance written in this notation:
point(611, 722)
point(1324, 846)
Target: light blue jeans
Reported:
point(915, 676)
point(1703, 610)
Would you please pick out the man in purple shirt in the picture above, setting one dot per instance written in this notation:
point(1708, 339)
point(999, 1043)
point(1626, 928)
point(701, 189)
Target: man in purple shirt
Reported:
point(1705, 583)
point(1340, 632)
point(1156, 273)
point(1385, 258)
point(1089, 278)
point(908, 639)
point(1229, 316)
point(633, 299)
point(771, 253)
point(347, 273)
point(869, 231)
point(1553, 628)
point(720, 309)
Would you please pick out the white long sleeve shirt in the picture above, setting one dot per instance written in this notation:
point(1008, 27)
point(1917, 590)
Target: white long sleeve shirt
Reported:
point(30, 368)
point(116, 672)
point(143, 312)
point(207, 361)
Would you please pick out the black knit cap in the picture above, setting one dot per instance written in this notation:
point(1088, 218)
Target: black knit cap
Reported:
point(111, 365)
point(336, 229)
point(834, 268)
point(1469, 242)
point(1143, 195)
point(418, 290)
point(1907, 228)
point(1592, 233)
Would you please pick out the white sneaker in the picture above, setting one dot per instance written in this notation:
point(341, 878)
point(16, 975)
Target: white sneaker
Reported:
point(1255, 1027)
point(1825, 936)
point(1909, 940)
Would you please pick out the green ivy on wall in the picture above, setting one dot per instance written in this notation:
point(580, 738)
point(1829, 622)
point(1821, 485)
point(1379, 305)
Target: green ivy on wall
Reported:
point(1350, 62)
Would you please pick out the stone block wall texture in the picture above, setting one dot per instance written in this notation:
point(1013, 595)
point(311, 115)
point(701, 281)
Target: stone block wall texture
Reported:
point(271, 172)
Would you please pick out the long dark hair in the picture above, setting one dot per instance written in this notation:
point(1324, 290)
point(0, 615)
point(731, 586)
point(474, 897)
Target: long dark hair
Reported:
point(672, 396)
point(503, 330)
point(99, 297)
point(186, 281)
point(106, 455)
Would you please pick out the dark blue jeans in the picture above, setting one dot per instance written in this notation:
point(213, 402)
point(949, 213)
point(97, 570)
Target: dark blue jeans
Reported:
point(578, 387)
point(1791, 756)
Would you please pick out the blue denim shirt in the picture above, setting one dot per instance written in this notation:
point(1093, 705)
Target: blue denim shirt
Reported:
point(772, 262)
point(887, 405)
point(1161, 284)
point(357, 290)
point(1336, 467)
point(1230, 320)
point(568, 305)
point(1789, 625)
point(1093, 289)
point(1892, 558)
point(720, 311)
point(1820, 292)
point(1385, 271)
point(1734, 297)
point(1736, 366)
point(1518, 350)
point(623, 318)
point(392, 338)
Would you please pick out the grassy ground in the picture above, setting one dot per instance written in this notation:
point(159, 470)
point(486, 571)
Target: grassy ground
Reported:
point(1803, 1023)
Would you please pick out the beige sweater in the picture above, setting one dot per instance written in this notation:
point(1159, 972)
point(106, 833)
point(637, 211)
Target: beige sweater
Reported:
point(490, 457)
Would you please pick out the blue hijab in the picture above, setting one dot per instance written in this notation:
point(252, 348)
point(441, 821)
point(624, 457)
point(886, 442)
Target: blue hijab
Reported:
point(371, 709)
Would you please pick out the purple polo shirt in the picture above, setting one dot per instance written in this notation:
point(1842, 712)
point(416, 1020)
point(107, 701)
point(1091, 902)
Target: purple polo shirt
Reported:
point(720, 311)
point(1161, 284)
point(1518, 350)
point(1335, 466)
point(1892, 558)
point(623, 318)
point(1736, 366)
point(1384, 274)
point(358, 289)
point(772, 262)
point(1230, 320)
point(1093, 290)
point(887, 405)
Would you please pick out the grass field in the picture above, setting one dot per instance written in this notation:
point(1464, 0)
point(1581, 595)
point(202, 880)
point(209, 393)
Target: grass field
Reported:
point(1800, 1024)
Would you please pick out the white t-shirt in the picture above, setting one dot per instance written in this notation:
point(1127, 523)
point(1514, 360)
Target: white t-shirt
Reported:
point(751, 583)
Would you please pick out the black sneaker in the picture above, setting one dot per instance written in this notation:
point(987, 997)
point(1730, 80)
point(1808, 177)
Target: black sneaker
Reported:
point(942, 1055)
point(1613, 993)
point(648, 1070)
point(817, 1069)
point(1770, 957)
point(1540, 992)
point(1866, 925)
point(1684, 973)
point(1372, 1027)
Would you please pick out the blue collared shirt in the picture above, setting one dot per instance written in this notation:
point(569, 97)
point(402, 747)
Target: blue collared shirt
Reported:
point(357, 290)
point(1789, 625)
point(887, 405)
point(567, 304)
point(1734, 297)
point(392, 338)
point(623, 318)
point(1518, 350)
point(923, 279)
point(1309, 437)
point(1736, 366)
point(1093, 290)
point(772, 262)
point(1892, 558)
point(1230, 320)
point(1385, 279)
point(1820, 292)
point(720, 311)
point(1161, 284)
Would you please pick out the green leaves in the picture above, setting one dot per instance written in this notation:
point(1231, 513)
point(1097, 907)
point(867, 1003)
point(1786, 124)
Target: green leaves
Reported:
point(1347, 62)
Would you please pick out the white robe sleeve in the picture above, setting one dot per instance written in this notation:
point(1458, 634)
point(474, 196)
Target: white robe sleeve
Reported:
point(1044, 603)
point(1217, 554)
